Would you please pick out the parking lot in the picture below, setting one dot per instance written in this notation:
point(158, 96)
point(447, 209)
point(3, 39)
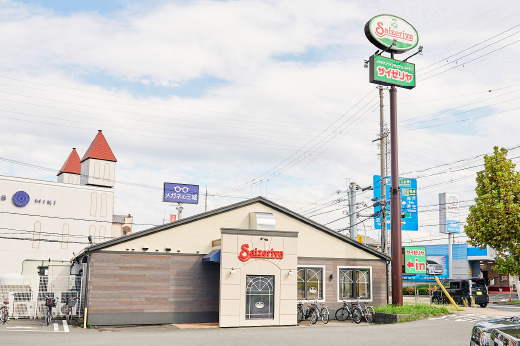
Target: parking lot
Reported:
point(456, 329)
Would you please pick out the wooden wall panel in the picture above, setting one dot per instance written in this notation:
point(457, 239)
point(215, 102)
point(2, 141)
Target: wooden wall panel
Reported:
point(152, 283)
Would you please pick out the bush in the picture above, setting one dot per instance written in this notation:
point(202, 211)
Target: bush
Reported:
point(424, 290)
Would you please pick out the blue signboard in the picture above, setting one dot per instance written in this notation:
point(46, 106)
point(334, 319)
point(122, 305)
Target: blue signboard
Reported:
point(181, 193)
point(409, 220)
point(453, 226)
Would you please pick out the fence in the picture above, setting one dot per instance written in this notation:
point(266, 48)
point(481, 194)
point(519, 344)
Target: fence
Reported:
point(28, 300)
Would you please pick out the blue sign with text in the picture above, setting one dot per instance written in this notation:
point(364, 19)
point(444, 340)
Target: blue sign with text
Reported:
point(409, 219)
point(181, 193)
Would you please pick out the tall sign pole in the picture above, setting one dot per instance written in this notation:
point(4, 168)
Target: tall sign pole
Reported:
point(395, 204)
point(382, 148)
point(395, 35)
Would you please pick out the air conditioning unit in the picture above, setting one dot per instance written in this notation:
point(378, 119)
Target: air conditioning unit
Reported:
point(22, 310)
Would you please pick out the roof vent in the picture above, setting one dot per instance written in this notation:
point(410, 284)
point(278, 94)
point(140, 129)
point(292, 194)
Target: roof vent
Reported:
point(262, 221)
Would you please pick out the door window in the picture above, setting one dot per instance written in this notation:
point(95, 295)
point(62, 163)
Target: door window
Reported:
point(259, 297)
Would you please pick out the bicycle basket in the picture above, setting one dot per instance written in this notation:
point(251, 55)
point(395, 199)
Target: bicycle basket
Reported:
point(49, 302)
point(71, 301)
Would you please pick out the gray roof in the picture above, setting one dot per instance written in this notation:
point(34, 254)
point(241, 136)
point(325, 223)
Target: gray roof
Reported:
point(227, 208)
point(118, 218)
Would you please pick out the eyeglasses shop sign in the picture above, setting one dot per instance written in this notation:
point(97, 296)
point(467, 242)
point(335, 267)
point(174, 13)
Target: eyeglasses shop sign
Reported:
point(181, 193)
point(384, 29)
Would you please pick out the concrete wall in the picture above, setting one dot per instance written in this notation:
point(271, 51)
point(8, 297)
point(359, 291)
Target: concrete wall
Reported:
point(233, 285)
point(56, 211)
point(196, 237)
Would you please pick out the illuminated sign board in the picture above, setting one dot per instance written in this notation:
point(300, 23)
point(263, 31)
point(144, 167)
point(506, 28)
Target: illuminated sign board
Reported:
point(386, 71)
point(181, 193)
point(247, 254)
point(385, 30)
point(449, 213)
point(415, 260)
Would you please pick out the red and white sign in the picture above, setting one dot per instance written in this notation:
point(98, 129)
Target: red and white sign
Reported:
point(247, 254)
point(173, 217)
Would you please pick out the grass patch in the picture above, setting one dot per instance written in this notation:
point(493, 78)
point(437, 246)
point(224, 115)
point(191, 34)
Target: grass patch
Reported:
point(419, 309)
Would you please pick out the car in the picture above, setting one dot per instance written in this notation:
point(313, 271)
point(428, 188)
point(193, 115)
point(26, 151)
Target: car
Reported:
point(433, 268)
point(463, 291)
point(481, 333)
point(505, 336)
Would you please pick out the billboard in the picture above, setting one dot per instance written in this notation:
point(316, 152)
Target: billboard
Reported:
point(435, 266)
point(415, 260)
point(409, 219)
point(449, 213)
point(181, 193)
point(386, 71)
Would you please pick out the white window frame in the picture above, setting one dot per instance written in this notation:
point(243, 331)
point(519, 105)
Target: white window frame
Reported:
point(323, 282)
point(355, 299)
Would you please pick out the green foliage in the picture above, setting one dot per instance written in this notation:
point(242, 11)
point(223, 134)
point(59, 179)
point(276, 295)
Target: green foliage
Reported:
point(423, 290)
point(495, 218)
point(413, 309)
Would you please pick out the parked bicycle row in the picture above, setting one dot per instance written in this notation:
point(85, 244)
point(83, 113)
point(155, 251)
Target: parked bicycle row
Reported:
point(50, 303)
point(355, 311)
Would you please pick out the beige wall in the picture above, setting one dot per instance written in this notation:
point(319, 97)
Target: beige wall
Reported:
point(232, 309)
point(66, 217)
point(196, 237)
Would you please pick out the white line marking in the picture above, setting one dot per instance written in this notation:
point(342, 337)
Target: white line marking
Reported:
point(20, 327)
point(506, 306)
point(56, 329)
point(65, 326)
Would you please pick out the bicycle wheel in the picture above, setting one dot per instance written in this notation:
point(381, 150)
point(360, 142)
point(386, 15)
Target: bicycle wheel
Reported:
point(313, 316)
point(342, 314)
point(356, 315)
point(325, 315)
point(69, 316)
point(3, 318)
point(47, 318)
point(369, 314)
point(300, 314)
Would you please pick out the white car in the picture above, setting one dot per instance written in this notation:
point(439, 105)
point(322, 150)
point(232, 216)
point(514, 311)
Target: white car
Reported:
point(433, 268)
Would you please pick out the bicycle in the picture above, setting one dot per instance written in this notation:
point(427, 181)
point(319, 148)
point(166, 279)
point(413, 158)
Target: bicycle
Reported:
point(4, 312)
point(347, 311)
point(314, 312)
point(71, 302)
point(368, 312)
point(49, 303)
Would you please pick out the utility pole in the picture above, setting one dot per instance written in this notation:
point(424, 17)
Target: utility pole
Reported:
point(206, 200)
point(353, 211)
point(382, 148)
point(179, 209)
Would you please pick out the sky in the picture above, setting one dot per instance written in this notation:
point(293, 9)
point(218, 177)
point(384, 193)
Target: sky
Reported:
point(256, 98)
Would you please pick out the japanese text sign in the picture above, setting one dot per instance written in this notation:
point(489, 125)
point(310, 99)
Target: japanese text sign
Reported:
point(386, 71)
point(414, 260)
point(181, 193)
point(409, 214)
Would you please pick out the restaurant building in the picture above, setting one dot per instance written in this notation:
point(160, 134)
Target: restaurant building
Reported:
point(245, 264)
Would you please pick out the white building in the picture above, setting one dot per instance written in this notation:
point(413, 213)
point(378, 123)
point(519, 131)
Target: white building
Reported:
point(42, 220)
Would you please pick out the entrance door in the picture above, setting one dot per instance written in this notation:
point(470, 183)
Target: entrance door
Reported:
point(259, 297)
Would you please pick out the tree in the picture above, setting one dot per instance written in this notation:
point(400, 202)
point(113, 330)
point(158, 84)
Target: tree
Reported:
point(495, 218)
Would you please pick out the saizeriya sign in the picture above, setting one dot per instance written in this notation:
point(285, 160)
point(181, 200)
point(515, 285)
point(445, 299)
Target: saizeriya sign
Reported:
point(384, 29)
point(247, 254)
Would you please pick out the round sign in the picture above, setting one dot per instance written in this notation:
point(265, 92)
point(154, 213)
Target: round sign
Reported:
point(385, 29)
point(21, 198)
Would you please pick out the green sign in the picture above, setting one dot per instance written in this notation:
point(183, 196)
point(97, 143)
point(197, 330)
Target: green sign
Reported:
point(414, 260)
point(389, 32)
point(386, 71)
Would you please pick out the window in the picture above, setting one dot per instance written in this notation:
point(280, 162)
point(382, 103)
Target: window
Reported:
point(310, 283)
point(259, 297)
point(354, 283)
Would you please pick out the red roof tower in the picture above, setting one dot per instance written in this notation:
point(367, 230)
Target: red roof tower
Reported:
point(99, 149)
point(72, 164)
